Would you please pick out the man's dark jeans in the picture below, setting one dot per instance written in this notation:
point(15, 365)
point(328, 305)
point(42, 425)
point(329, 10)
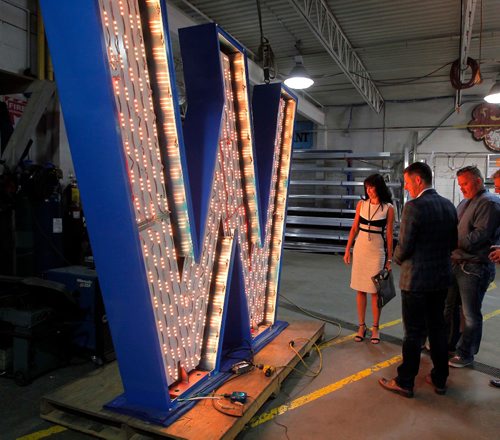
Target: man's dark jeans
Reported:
point(423, 312)
point(469, 284)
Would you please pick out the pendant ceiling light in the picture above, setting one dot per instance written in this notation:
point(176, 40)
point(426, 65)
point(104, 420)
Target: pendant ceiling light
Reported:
point(298, 77)
point(493, 96)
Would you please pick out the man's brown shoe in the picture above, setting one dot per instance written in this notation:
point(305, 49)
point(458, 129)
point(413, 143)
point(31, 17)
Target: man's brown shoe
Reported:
point(495, 383)
point(392, 385)
point(437, 390)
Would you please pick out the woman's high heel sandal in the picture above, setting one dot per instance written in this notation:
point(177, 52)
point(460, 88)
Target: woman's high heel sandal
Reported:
point(359, 338)
point(373, 339)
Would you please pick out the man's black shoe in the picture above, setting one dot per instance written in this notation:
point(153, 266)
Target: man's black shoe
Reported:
point(438, 390)
point(392, 385)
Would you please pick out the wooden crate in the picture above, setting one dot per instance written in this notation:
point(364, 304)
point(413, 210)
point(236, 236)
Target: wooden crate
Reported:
point(79, 405)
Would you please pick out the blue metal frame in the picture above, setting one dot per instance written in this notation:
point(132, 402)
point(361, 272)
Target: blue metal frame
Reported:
point(86, 92)
point(235, 43)
point(203, 78)
point(265, 109)
point(288, 92)
point(235, 334)
point(85, 89)
point(178, 123)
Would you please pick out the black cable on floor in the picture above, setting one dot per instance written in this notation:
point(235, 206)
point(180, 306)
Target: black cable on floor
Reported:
point(317, 316)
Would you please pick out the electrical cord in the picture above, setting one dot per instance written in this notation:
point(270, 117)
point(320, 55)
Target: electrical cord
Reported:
point(305, 312)
point(235, 405)
point(301, 358)
point(230, 404)
point(403, 82)
point(283, 426)
point(452, 167)
point(188, 399)
point(320, 355)
point(456, 70)
point(393, 82)
point(235, 376)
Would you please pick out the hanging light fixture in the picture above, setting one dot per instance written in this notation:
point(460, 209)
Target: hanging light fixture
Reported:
point(493, 96)
point(298, 77)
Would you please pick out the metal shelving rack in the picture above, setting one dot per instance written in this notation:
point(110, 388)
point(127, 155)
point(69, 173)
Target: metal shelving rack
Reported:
point(325, 186)
point(492, 164)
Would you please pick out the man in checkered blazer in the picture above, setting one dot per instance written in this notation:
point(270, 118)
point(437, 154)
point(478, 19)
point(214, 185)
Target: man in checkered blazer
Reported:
point(427, 236)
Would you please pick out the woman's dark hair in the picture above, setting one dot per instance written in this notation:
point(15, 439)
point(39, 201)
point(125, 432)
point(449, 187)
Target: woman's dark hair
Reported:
point(378, 182)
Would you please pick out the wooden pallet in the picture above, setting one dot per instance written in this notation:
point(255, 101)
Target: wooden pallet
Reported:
point(79, 405)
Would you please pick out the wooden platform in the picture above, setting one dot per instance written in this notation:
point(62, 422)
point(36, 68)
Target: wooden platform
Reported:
point(78, 405)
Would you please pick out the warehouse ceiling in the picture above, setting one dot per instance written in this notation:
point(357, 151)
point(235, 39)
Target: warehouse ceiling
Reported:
point(406, 47)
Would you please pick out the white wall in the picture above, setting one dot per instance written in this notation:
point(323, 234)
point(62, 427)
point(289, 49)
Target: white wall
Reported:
point(18, 28)
point(65, 160)
point(17, 45)
point(447, 149)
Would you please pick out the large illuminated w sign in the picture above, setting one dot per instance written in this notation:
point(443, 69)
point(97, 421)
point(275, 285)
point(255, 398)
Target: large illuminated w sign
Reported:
point(186, 233)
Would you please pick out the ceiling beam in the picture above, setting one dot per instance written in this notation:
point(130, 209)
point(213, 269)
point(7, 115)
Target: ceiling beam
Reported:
point(324, 26)
point(177, 19)
point(467, 23)
point(468, 11)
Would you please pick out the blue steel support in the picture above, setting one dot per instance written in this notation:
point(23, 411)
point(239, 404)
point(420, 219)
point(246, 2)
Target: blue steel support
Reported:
point(203, 77)
point(78, 51)
point(292, 96)
point(265, 109)
point(85, 89)
point(178, 122)
point(235, 337)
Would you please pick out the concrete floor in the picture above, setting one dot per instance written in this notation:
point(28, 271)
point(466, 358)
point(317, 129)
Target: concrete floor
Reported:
point(344, 401)
point(361, 409)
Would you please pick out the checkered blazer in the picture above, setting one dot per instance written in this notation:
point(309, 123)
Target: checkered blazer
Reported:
point(427, 235)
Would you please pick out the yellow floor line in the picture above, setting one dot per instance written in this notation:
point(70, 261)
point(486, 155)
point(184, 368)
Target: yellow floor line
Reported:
point(296, 403)
point(492, 286)
point(353, 335)
point(391, 323)
point(491, 315)
point(263, 418)
point(337, 341)
point(299, 401)
point(42, 434)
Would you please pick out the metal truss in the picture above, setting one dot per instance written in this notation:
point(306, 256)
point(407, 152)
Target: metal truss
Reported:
point(323, 24)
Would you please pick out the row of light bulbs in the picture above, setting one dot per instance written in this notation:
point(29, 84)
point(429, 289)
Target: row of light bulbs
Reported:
point(183, 302)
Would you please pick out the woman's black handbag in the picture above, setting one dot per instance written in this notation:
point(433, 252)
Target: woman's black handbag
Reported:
point(384, 282)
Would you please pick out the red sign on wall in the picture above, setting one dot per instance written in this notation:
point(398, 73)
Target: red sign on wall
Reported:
point(485, 125)
point(15, 106)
